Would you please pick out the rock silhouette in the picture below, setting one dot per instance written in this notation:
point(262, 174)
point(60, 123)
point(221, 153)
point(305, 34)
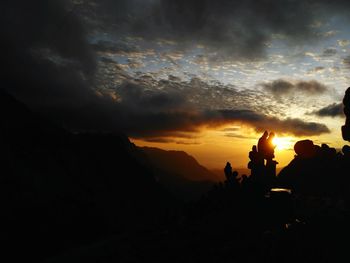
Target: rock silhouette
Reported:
point(346, 127)
point(261, 164)
point(314, 170)
point(320, 170)
point(305, 149)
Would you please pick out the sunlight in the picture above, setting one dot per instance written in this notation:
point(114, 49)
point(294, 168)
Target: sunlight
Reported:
point(283, 143)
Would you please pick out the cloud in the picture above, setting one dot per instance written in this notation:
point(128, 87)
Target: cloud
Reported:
point(226, 29)
point(107, 46)
point(51, 66)
point(317, 70)
point(332, 110)
point(231, 129)
point(343, 42)
point(262, 122)
point(329, 33)
point(239, 136)
point(346, 62)
point(47, 59)
point(281, 87)
point(169, 112)
point(166, 111)
point(294, 126)
point(329, 52)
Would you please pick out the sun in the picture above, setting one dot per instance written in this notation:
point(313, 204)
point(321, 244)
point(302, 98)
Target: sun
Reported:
point(283, 143)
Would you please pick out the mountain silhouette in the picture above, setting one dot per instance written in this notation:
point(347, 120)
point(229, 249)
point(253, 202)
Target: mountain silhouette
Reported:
point(65, 189)
point(180, 173)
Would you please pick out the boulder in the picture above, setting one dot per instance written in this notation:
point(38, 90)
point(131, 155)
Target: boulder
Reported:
point(305, 149)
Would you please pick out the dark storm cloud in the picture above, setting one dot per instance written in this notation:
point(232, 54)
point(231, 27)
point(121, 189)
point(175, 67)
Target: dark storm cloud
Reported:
point(46, 58)
point(113, 47)
point(234, 29)
point(282, 87)
point(228, 29)
point(332, 110)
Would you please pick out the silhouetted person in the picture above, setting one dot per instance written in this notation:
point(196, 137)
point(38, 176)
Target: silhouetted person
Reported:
point(346, 128)
point(270, 147)
point(228, 171)
point(254, 156)
point(263, 176)
point(256, 164)
point(262, 143)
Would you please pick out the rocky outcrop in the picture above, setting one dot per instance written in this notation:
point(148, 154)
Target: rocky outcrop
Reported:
point(346, 128)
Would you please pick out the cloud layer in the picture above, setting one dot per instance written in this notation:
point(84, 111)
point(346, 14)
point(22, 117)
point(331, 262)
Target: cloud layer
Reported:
point(332, 110)
point(52, 67)
point(168, 110)
point(239, 30)
point(281, 87)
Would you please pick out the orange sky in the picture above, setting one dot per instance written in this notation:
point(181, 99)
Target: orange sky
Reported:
point(213, 148)
point(187, 78)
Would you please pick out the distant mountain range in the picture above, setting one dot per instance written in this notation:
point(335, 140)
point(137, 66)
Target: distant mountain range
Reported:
point(180, 173)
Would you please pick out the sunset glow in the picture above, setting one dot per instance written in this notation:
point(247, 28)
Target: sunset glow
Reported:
point(209, 87)
point(284, 143)
point(214, 147)
point(175, 130)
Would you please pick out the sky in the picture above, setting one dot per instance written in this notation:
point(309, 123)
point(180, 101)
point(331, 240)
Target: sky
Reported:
point(207, 77)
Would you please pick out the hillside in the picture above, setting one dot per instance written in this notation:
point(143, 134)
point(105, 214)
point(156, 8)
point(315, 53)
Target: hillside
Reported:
point(180, 173)
point(66, 188)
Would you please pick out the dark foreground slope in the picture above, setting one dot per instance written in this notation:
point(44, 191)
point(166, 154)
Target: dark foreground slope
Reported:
point(59, 190)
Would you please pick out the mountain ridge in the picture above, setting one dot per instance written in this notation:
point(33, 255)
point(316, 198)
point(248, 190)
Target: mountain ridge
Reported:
point(180, 173)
